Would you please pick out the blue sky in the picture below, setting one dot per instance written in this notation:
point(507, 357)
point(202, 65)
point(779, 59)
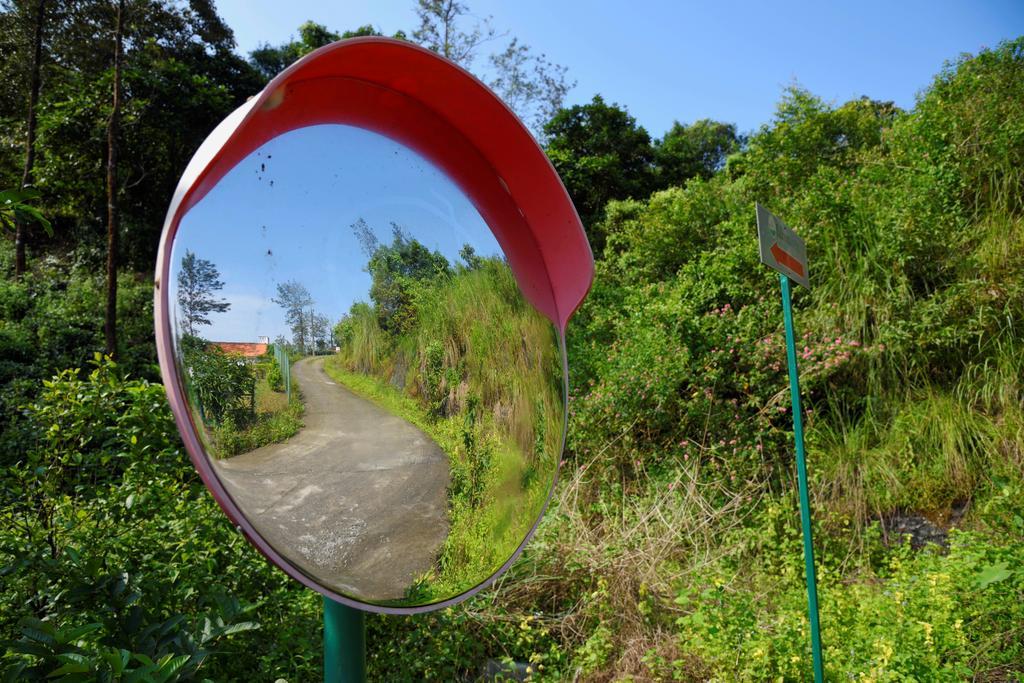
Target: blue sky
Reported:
point(286, 211)
point(663, 61)
point(666, 60)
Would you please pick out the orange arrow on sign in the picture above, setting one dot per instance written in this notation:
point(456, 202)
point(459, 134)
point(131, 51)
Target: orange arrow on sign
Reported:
point(786, 259)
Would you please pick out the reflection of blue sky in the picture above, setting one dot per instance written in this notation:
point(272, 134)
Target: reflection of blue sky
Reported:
point(285, 213)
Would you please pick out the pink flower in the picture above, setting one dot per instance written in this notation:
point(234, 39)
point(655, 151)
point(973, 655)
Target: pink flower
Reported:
point(760, 447)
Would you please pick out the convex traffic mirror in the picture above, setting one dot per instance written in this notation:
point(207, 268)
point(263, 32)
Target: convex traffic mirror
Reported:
point(362, 292)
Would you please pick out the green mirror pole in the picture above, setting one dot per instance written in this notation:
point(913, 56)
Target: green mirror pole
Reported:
point(344, 643)
point(801, 472)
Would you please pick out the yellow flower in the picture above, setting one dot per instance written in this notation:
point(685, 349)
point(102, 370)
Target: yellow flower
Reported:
point(927, 633)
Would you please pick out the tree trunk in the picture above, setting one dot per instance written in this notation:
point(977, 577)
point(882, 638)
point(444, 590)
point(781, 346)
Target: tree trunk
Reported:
point(30, 141)
point(110, 320)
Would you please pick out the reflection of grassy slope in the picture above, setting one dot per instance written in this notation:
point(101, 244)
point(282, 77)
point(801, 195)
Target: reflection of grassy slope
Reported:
point(473, 337)
point(479, 371)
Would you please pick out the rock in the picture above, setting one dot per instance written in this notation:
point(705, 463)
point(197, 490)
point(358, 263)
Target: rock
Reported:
point(920, 529)
point(495, 670)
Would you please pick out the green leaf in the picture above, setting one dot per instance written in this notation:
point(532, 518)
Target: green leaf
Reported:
point(993, 574)
point(169, 666)
point(39, 631)
point(76, 633)
point(73, 664)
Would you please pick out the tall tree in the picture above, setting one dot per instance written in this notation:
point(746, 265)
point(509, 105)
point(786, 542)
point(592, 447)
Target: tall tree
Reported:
point(110, 319)
point(271, 60)
point(198, 279)
point(319, 327)
point(601, 154)
point(440, 30)
point(294, 298)
point(530, 85)
point(368, 241)
point(395, 269)
point(30, 134)
point(177, 64)
point(694, 151)
point(533, 87)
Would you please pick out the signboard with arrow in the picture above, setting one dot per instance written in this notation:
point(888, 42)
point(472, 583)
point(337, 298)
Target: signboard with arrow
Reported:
point(781, 248)
point(784, 251)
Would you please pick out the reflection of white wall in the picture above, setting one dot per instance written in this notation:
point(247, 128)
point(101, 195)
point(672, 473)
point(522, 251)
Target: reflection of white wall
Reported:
point(285, 213)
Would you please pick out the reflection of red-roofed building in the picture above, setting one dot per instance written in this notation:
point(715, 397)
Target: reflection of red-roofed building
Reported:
point(244, 349)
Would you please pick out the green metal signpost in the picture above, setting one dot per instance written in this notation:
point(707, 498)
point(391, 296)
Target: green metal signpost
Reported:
point(783, 250)
point(284, 364)
point(344, 643)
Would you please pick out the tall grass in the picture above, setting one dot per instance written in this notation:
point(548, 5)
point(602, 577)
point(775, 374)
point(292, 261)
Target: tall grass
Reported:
point(479, 370)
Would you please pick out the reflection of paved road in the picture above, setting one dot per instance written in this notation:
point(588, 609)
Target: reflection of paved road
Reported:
point(356, 499)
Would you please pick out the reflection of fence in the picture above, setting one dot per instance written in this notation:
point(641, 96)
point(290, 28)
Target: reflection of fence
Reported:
point(283, 362)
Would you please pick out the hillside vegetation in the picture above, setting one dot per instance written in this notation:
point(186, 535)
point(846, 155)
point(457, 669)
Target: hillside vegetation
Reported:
point(460, 353)
point(672, 550)
point(682, 518)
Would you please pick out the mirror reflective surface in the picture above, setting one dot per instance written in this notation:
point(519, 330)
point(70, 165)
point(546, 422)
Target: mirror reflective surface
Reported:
point(367, 380)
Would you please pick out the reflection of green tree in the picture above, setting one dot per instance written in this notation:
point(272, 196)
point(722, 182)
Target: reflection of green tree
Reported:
point(294, 298)
point(223, 385)
point(310, 330)
point(396, 270)
point(198, 279)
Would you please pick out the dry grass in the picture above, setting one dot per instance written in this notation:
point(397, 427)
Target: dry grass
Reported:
point(617, 562)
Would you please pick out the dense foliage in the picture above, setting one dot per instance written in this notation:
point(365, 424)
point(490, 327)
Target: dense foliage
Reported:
point(911, 362)
point(602, 154)
point(672, 551)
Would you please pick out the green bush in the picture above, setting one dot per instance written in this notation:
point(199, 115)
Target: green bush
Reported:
point(222, 386)
point(274, 377)
point(82, 597)
point(921, 616)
